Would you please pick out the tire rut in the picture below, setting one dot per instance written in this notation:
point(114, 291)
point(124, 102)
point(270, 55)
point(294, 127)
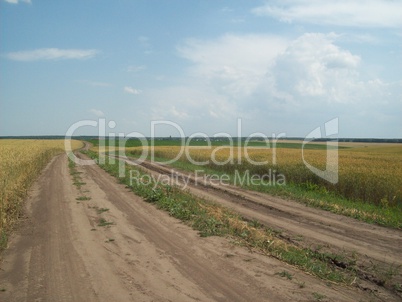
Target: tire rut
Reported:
point(316, 226)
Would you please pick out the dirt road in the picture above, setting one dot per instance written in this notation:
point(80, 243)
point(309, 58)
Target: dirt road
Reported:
point(60, 252)
point(308, 225)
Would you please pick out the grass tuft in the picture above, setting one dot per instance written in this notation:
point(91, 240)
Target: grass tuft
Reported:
point(103, 222)
point(285, 274)
point(82, 198)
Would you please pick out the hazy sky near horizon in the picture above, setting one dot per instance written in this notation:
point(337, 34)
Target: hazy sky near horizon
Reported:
point(279, 66)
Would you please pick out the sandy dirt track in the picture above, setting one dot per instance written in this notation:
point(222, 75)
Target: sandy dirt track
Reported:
point(341, 233)
point(59, 253)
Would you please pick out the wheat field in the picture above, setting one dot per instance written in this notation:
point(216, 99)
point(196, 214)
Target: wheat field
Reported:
point(370, 174)
point(21, 161)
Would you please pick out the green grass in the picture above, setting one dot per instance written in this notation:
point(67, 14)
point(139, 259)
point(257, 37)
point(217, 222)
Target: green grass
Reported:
point(318, 296)
point(79, 184)
point(101, 210)
point(3, 240)
point(77, 181)
point(103, 222)
point(285, 274)
point(82, 198)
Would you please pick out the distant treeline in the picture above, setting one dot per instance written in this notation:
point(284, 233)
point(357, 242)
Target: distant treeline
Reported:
point(217, 139)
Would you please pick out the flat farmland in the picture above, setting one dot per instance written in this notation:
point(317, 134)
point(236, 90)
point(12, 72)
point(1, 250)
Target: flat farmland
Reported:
point(128, 231)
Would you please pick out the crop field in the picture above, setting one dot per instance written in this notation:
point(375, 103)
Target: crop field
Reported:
point(367, 175)
point(112, 217)
point(20, 163)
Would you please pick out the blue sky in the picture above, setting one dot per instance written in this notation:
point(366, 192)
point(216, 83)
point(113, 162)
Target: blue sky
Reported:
point(279, 66)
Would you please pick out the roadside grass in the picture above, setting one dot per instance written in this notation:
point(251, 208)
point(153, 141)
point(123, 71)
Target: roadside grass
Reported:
point(365, 174)
point(285, 274)
point(318, 296)
point(77, 180)
point(369, 174)
point(103, 222)
point(310, 195)
point(101, 210)
point(83, 198)
point(210, 219)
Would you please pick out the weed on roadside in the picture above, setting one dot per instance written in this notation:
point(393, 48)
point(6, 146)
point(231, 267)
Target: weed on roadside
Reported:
point(285, 274)
point(318, 296)
point(82, 198)
point(101, 210)
point(103, 222)
point(301, 284)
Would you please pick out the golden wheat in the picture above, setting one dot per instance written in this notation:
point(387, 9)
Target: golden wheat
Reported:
point(370, 174)
point(20, 163)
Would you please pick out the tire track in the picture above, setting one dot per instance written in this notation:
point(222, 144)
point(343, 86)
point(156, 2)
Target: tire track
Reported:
point(316, 226)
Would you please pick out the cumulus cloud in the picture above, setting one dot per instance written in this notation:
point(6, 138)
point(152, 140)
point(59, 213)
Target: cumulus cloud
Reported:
point(313, 66)
point(244, 68)
point(357, 13)
point(132, 90)
point(268, 79)
point(97, 112)
point(52, 54)
point(235, 63)
point(196, 102)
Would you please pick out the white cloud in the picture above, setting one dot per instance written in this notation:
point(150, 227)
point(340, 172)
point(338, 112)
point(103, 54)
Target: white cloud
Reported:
point(178, 113)
point(358, 13)
point(235, 63)
point(97, 112)
point(51, 54)
point(241, 67)
point(313, 66)
point(194, 102)
point(18, 1)
point(132, 90)
point(289, 84)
